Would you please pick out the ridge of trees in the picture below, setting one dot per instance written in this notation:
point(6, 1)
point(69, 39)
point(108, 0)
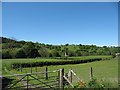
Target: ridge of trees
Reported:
point(24, 49)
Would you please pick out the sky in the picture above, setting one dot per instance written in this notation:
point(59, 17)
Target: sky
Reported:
point(61, 22)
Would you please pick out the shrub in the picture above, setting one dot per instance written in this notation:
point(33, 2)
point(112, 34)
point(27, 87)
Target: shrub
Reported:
point(95, 84)
point(57, 62)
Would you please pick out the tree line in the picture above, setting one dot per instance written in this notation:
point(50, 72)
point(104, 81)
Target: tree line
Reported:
point(24, 49)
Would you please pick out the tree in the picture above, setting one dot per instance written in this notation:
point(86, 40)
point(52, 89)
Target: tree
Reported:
point(20, 54)
point(55, 53)
point(71, 53)
point(80, 44)
point(50, 55)
point(6, 54)
point(92, 51)
point(78, 53)
point(43, 52)
point(67, 44)
point(99, 51)
point(30, 50)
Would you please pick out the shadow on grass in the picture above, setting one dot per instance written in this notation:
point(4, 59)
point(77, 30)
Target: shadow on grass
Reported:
point(5, 82)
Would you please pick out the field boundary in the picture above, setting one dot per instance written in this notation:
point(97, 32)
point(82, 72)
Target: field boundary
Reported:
point(57, 62)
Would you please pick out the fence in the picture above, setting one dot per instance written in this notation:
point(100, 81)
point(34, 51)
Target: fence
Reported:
point(42, 80)
point(46, 79)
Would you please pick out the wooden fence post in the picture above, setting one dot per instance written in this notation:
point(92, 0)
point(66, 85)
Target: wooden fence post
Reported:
point(46, 73)
point(70, 76)
point(27, 81)
point(61, 79)
point(91, 73)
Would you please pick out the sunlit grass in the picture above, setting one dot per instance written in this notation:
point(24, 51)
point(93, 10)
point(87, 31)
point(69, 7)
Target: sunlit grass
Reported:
point(102, 70)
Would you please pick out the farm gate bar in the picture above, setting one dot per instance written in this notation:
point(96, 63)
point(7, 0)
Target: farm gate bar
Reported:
point(42, 80)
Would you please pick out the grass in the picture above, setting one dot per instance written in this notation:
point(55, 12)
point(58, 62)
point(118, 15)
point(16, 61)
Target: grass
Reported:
point(106, 71)
point(7, 62)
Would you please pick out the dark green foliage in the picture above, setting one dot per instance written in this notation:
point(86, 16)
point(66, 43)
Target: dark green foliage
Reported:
point(99, 84)
point(30, 50)
point(113, 55)
point(95, 84)
point(57, 62)
point(71, 53)
point(43, 52)
point(11, 45)
point(55, 53)
point(67, 44)
point(33, 50)
point(6, 40)
point(20, 54)
point(78, 52)
point(50, 55)
point(6, 54)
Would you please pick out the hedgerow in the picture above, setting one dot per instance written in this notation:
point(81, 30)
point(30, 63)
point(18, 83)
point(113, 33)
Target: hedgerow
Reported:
point(47, 63)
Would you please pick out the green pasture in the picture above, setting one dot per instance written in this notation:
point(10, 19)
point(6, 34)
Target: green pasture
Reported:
point(106, 70)
point(102, 70)
point(7, 62)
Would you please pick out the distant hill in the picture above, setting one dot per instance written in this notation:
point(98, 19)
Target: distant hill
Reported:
point(6, 40)
point(23, 49)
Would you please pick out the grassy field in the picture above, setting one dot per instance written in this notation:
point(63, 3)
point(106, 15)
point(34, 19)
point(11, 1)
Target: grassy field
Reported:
point(7, 62)
point(105, 70)
point(102, 70)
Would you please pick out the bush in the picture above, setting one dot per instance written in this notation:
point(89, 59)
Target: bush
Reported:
point(30, 50)
point(43, 52)
point(55, 53)
point(95, 84)
point(113, 55)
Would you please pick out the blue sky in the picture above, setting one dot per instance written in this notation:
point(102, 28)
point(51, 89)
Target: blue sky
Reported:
point(61, 23)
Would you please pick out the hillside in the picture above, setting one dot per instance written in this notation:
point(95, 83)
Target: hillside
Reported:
point(24, 49)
